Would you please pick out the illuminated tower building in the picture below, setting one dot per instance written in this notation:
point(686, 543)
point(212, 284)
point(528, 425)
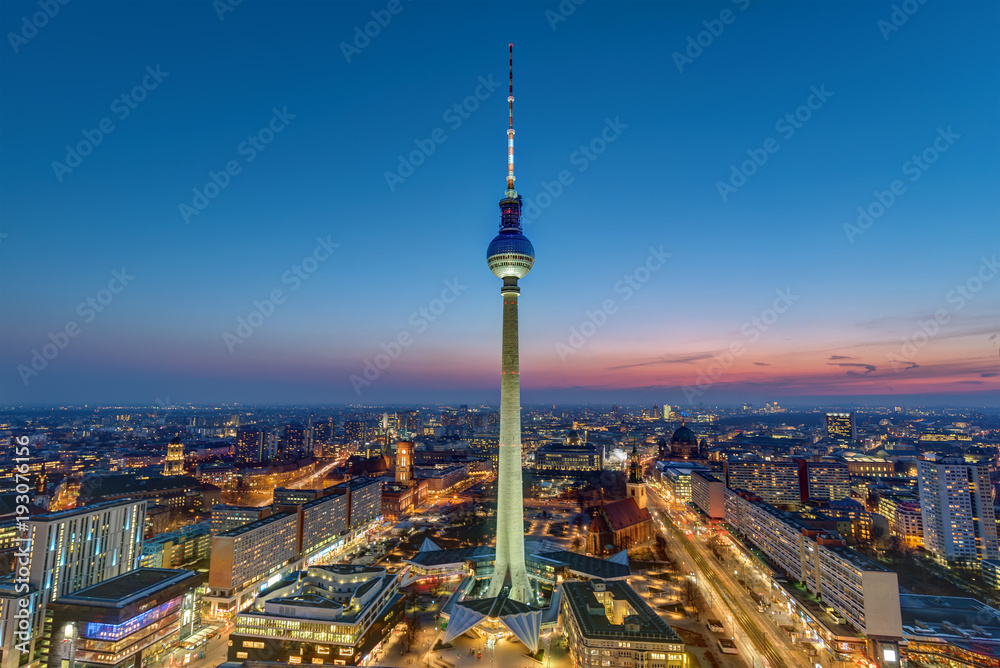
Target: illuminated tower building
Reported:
point(250, 444)
point(510, 256)
point(636, 486)
point(404, 462)
point(174, 465)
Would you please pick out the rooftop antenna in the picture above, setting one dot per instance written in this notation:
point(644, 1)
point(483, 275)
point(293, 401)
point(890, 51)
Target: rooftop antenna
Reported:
point(510, 127)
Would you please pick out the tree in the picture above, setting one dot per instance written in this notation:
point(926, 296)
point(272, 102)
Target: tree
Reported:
point(412, 629)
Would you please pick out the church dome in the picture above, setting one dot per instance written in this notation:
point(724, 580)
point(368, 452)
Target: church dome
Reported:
point(685, 436)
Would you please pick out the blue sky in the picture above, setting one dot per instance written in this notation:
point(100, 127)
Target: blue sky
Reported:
point(859, 295)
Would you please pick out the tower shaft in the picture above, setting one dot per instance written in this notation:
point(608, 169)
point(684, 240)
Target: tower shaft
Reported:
point(510, 502)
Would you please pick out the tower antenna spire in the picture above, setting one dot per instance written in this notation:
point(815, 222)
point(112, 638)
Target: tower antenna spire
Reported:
point(510, 127)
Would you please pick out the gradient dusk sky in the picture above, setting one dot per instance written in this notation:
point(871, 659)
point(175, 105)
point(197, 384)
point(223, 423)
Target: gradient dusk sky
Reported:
point(746, 288)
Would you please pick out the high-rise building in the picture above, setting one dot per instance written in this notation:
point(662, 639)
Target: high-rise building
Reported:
point(841, 426)
point(293, 442)
point(74, 549)
point(863, 591)
point(250, 445)
point(409, 421)
point(510, 257)
point(824, 480)
point(227, 517)
point(777, 482)
point(174, 464)
point(365, 500)
point(357, 431)
point(706, 493)
point(243, 558)
point(956, 503)
point(324, 521)
point(323, 433)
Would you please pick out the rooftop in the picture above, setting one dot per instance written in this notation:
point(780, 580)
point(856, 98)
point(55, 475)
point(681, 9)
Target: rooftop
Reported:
point(441, 557)
point(126, 588)
point(590, 566)
point(84, 510)
point(963, 622)
point(253, 526)
point(590, 614)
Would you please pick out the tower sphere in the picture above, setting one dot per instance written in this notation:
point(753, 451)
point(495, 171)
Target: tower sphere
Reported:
point(510, 254)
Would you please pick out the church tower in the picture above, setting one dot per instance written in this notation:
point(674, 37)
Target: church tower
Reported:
point(174, 464)
point(636, 487)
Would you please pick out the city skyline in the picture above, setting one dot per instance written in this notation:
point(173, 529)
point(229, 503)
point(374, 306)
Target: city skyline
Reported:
point(697, 286)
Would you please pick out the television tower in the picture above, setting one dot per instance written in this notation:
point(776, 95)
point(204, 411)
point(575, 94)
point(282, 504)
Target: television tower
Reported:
point(510, 256)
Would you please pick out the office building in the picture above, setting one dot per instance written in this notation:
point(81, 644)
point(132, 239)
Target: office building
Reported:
point(841, 426)
point(870, 467)
point(397, 501)
point(358, 431)
point(707, 494)
point(824, 480)
point(293, 442)
point(776, 482)
point(284, 496)
point(864, 592)
point(607, 624)
point(902, 512)
point(226, 517)
point(365, 502)
point(332, 615)
point(569, 458)
point(131, 621)
point(991, 572)
point(323, 524)
point(250, 445)
point(950, 631)
point(244, 558)
point(177, 549)
point(956, 502)
point(74, 549)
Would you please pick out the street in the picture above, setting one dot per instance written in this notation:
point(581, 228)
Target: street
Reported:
point(752, 630)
